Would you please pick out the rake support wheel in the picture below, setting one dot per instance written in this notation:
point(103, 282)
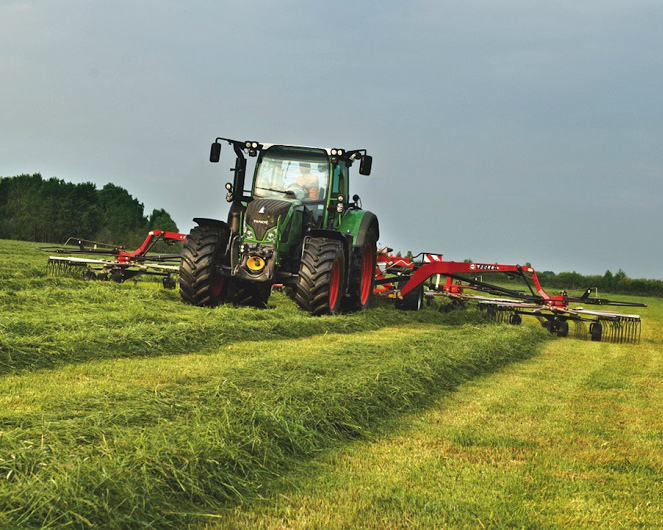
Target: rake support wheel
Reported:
point(596, 331)
point(413, 300)
point(563, 329)
point(200, 283)
point(321, 281)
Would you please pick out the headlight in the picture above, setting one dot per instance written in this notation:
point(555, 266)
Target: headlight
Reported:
point(271, 237)
point(248, 233)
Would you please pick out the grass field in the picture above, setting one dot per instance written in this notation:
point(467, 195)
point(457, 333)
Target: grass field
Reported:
point(572, 437)
point(121, 407)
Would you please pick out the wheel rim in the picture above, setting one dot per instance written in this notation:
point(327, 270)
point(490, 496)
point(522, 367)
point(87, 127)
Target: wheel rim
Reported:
point(366, 275)
point(334, 284)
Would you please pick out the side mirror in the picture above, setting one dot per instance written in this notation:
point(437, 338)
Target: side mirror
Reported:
point(365, 166)
point(215, 153)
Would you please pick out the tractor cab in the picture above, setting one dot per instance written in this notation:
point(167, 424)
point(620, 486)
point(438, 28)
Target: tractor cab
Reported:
point(297, 174)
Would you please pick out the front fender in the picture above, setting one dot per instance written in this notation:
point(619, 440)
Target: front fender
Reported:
point(358, 223)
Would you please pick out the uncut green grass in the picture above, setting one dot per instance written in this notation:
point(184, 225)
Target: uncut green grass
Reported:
point(121, 407)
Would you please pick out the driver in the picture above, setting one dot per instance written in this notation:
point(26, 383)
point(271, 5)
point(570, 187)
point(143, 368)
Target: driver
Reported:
point(307, 181)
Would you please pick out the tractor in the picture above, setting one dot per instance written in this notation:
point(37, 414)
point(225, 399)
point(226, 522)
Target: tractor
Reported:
point(295, 226)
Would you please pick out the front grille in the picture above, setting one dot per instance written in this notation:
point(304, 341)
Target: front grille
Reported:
point(263, 214)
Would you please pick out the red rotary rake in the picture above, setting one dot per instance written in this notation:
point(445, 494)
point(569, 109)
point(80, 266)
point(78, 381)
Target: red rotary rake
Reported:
point(410, 280)
point(121, 265)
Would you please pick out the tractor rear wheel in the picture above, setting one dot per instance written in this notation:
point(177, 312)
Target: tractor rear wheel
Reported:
point(362, 276)
point(249, 294)
point(200, 282)
point(321, 281)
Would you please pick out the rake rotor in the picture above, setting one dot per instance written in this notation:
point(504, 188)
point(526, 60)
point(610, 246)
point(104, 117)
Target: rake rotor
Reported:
point(606, 327)
point(92, 260)
point(59, 268)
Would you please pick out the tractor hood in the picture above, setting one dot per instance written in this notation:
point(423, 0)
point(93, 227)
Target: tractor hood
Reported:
point(263, 214)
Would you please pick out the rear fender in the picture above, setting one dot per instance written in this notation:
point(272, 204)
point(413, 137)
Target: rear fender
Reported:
point(219, 226)
point(210, 223)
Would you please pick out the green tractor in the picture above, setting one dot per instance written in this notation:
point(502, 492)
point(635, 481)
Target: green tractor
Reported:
point(294, 227)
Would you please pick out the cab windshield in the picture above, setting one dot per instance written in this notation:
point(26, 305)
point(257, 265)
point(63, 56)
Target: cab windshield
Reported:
point(292, 173)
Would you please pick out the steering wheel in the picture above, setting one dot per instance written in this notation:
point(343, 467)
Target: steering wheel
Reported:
point(300, 193)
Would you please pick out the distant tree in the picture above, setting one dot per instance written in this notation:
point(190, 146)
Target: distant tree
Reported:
point(409, 254)
point(123, 219)
point(608, 280)
point(161, 220)
point(468, 260)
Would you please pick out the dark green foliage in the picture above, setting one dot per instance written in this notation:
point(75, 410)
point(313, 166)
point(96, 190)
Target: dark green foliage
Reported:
point(35, 209)
point(614, 283)
point(161, 220)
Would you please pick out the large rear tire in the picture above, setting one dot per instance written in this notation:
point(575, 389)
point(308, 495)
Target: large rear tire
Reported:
point(321, 281)
point(362, 277)
point(200, 282)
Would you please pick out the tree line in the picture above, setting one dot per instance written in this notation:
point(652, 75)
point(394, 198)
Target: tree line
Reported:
point(618, 282)
point(51, 210)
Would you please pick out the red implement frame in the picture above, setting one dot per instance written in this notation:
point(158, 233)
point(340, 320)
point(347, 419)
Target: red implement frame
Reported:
point(398, 278)
point(153, 236)
point(95, 260)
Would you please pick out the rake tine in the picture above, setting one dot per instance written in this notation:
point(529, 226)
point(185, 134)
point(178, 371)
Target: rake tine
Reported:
point(579, 329)
point(614, 331)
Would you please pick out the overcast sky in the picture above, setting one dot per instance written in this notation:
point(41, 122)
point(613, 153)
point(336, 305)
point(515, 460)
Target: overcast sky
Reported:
point(507, 131)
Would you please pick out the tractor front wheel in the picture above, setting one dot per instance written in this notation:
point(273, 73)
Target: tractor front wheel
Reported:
point(200, 282)
point(321, 281)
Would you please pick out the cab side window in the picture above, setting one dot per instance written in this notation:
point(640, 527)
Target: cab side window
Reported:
point(340, 179)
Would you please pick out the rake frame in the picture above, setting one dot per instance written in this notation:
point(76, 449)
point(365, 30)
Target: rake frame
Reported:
point(396, 277)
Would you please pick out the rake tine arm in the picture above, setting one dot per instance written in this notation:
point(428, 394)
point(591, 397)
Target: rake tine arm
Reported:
point(152, 237)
